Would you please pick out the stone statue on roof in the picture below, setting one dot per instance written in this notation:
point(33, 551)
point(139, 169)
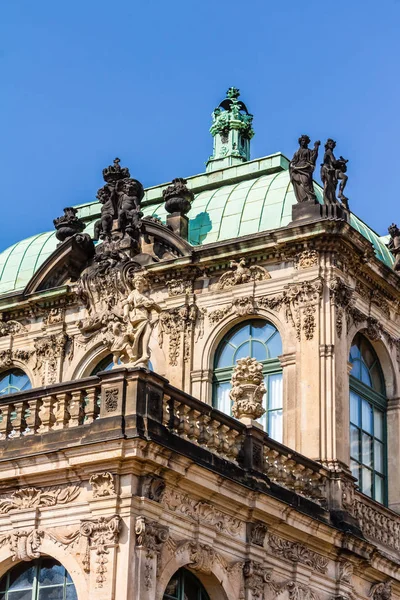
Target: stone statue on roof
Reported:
point(332, 171)
point(301, 169)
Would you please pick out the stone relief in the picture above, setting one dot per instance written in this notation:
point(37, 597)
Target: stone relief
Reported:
point(299, 301)
point(7, 357)
point(10, 327)
point(48, 352)
point(296, 552)
point(256, 533)
point(35, 498)
point(240, 273)
point(101, 534)
point(153, 487)
point(201, 512)
point(307, 259)
point(103, 484)
point(247, 389)
point(180, 324)
point(381, 591)
point(176, 287)
point(53, 316)
point(346, 569)
point(150, 536)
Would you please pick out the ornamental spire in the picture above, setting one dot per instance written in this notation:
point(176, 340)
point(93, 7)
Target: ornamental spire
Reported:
point(232, 131)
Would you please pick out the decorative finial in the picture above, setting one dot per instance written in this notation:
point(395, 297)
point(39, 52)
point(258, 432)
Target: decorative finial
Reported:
point(233, 92)
point(115, 172)
point(248, 390)
point(178, 198)
point(68, 225)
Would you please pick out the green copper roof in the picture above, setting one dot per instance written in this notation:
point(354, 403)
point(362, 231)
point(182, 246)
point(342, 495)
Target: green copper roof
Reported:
point(237, 201)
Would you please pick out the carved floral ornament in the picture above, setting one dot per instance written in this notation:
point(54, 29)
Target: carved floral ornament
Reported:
point(240, 273)
point(35, 498)
point(103, 484)
point(248, 389)
point(99, 534)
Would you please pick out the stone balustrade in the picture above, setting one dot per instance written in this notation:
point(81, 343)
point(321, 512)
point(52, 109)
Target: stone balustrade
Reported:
point(50, 408)
point(377, 523)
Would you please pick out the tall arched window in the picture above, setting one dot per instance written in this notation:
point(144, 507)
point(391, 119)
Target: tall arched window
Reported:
point(14, 380)
point(185, 586)
point(261, 340)
point(42, 579)
point(368, 451)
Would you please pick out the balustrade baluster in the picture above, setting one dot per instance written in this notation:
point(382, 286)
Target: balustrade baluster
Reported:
point(61, 413)
point(194, 428)
point(32, 416)
point(16, 421)
point(91, 408)
point(75, 409)
point(46, 414)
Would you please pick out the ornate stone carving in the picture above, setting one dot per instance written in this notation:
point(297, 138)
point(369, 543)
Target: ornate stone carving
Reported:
point(111, 399)
point(180, 323)
point(377, 525)
point(394, 245)
point(153, 488)
point(178, 198)
point(24, 543)
point(256, 533)
point(218, 314)
point(240, 273)
point(176, 287)
point(374, 329)
point(49, 349)
point(201, 556)
point(150, 536)
point(54, 315)
point(10, 327)
point(201, 512)
point(381, 591)
point(256, 577)
point(345, 571)
point(296, 552)
point(36, 498)
point(68, 225)
point(301, 170)
point(101, 533)
point(333, 171)
point(307, 259)
point(245, 305)
point(103, 484)
point(298, 298)
point(7, 357)
point(247, 389)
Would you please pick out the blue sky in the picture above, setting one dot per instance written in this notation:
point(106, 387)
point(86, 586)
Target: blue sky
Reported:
point(83, 82)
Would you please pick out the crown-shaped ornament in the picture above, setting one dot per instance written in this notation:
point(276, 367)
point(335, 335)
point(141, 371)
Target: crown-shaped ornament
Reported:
point(115, 172)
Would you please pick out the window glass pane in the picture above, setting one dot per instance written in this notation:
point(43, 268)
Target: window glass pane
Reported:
point(275, 346)
point(274, 387)
point(354, 409)
point(376, 377)
point(275, 425)
point(365, 377)
point(223, 401)
point(356, 370)
point(51, 593)
point(21, 595)
point(354, 352)
point(355, 470)
point(368, 355)
point(261, 330)
point(71, 593)
point(240, 336)
point(13, 381)
point(378, 456)
point(379, 489)
point(22, 577)
point(366, 416)
point(2, 596)
point(191, 589)
point(378, 424)
point(172, 588)
point(51, 573)
point(226, 357)
point(242, 352)
point(354, 442)
point(258, 351)
point(366, 449)
point(366, 482)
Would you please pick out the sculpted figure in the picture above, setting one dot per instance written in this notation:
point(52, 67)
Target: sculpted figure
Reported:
point(301, 170)
point(333, 171)
point(394, 245)
point(130, 193)
point(102, 228)
point(137, 311)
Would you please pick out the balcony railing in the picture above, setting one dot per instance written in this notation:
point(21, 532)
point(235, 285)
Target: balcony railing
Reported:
point(130, 403)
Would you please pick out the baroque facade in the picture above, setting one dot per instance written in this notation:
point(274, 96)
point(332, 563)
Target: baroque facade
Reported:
point(199, 388)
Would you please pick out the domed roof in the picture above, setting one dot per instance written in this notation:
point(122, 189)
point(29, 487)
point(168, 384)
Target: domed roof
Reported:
point(248, 205)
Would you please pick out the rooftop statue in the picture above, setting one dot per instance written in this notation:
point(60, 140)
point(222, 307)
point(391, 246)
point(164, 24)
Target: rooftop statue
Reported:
point(332, 171)
point(301, 170)
point(68, 225)
point(394, 245)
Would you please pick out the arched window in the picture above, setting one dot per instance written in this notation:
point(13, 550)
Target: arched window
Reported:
point(368, 451)
point(261, 340)
point(106, 364)
point(14, 380)
point(42, 579)
point(185, 586)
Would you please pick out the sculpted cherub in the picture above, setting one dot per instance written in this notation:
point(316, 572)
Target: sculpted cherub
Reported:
point(103, 227)
point(130, 193)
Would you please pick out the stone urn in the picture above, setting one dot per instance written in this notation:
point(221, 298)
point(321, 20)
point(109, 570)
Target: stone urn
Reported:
point(178, 198)
point(247, 390)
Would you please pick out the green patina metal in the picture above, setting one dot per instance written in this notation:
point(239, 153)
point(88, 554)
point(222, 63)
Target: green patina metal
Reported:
point(232, 131)
point(236, 201)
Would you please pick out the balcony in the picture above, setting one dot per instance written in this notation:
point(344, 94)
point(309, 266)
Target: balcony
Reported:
point(136, 403)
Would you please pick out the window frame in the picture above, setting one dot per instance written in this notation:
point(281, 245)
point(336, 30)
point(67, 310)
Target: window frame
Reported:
point(36, 585)
point(182, 575)
point(271, 366)
point(378, 401)
point(8, 373)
